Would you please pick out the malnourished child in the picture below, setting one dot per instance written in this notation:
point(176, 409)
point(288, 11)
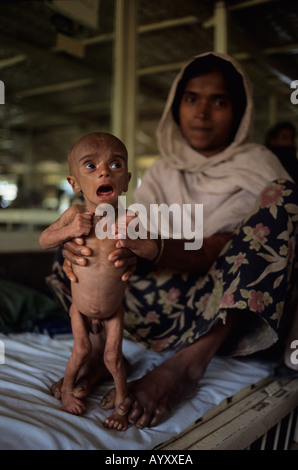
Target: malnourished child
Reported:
point(98, 167)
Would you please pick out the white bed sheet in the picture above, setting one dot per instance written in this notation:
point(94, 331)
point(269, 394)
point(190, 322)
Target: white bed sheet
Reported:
point(31, 418)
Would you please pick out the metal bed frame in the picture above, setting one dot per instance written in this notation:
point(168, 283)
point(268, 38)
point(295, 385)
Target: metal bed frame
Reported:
point(260, 417)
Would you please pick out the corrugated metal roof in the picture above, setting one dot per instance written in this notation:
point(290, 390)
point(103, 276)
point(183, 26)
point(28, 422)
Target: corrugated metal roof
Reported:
point(56, 95)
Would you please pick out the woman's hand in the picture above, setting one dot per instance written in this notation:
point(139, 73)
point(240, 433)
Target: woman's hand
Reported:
point(144, 248)
point(74, 252)
point(127, 251)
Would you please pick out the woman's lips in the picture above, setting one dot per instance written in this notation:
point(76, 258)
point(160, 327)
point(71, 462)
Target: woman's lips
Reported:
point(200, 129)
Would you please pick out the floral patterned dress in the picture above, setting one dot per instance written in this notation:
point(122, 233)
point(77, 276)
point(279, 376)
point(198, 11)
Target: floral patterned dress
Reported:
point(253, 275)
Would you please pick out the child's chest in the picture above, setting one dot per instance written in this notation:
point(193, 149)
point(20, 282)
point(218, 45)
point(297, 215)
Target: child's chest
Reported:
point(101, 239)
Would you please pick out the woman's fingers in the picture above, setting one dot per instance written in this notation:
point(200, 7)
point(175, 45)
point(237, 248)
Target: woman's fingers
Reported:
point(67, 268)
point(122, 257)
point(128, 273)
point(78, 249)
point(146, 248)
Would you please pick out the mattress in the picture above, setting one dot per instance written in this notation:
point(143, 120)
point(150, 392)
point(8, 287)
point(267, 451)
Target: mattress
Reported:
point(32, 419)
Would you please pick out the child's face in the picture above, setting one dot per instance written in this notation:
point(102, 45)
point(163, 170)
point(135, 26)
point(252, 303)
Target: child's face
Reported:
point(99, 170)
point(206, 114)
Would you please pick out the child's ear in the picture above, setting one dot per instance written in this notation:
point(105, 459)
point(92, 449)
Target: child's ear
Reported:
point(74, 184)
point(128, 177)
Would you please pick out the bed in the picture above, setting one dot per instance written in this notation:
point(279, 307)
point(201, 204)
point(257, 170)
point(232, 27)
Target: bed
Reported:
point(238, 401)
point(31, 418)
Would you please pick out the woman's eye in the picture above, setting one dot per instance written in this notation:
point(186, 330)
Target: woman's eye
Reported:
point(220, 103)
point(190, 99)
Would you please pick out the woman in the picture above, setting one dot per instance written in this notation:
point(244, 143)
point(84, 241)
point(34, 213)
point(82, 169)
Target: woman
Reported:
point(198, 303)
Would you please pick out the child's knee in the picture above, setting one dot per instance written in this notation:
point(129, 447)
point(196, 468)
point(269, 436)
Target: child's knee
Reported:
point(112, 360)
point(82, 351)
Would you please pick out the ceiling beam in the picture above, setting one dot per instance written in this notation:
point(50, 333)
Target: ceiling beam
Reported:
point(238, 6)
point(289, 48)
point(53, 88)
point(249, 4)
point(9, 61)
point(249, 45)
point(142, 29)
point(40, 54)
point(160, 68)
point(166, 24)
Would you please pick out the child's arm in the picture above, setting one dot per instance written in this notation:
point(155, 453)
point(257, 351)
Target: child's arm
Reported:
point(70, 225)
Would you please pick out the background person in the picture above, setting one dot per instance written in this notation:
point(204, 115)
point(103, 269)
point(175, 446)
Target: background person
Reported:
point(281, 140)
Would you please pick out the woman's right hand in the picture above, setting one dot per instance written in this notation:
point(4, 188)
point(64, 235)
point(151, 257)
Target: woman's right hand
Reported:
point(74, 252)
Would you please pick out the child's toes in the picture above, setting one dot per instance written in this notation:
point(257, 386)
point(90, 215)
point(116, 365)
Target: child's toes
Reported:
point(109, 423)
point(119, 423)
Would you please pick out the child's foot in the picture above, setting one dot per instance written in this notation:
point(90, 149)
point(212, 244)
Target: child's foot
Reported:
point(116, 421)
point(72, 404)
point(91, 373)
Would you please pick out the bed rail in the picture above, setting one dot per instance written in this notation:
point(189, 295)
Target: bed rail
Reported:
point(260, 417)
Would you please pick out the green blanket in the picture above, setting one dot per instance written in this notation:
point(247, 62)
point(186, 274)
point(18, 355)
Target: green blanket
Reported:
point(21, 305)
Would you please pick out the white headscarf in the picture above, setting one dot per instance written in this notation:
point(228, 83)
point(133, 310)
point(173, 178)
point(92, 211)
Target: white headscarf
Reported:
point(227, 184)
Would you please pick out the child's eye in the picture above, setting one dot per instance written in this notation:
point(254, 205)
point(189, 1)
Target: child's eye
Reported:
point(89, 166)
point(116, 165)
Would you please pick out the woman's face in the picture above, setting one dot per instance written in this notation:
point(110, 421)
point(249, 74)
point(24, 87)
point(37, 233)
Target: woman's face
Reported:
point(206, 114)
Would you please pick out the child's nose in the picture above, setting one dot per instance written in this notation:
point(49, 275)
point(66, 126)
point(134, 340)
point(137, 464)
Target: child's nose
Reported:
point(103, 171)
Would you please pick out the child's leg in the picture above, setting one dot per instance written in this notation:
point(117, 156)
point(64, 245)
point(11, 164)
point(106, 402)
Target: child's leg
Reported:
point(114, 362)
point(80, 353)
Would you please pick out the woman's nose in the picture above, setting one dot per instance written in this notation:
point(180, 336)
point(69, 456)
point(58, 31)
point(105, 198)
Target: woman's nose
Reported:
point(201, 110)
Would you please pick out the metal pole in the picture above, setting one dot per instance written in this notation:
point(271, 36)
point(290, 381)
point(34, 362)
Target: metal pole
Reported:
point(220, 28)
point(272, 110)
point(125, 81)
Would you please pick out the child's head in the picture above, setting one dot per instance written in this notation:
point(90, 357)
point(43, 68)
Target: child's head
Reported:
point(209, 104)
point(98, 169)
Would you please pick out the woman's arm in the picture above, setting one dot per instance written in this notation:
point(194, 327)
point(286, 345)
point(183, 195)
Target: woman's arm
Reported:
point(174, 255)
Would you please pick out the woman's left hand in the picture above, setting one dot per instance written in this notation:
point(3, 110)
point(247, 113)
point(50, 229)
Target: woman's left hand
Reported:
point(123, 257)
point(127, 251)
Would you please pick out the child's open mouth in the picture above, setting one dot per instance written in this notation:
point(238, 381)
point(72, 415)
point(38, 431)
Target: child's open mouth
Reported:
point(105, 190)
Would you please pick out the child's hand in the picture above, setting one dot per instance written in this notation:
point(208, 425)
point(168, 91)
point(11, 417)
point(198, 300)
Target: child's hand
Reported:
point(81, 225)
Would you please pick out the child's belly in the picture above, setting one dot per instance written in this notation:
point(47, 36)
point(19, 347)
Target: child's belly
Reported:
point(99, 290)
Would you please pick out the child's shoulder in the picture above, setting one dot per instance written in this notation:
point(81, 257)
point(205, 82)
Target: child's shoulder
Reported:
point(75, 209)
point(71, 212)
